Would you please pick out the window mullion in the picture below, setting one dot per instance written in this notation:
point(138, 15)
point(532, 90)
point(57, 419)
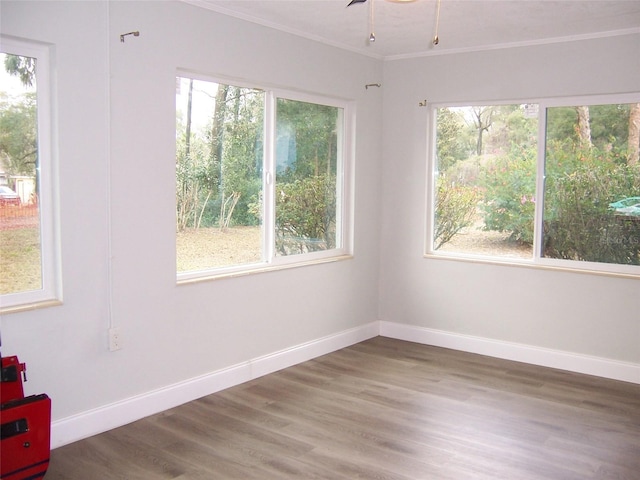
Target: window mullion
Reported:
point(268, 179)
point(538, 233)
point(340, 178)
point(431, 177)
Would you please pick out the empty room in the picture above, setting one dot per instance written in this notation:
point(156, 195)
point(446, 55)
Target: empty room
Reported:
point(314, 239)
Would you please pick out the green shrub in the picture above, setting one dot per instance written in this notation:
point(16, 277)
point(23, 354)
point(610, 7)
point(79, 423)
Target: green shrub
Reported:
point(578, 223)
point(306, 215)
point(455, 209)
point(509, 184)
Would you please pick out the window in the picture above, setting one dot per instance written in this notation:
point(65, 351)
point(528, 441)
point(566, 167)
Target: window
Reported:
point(485, 180)
point(592, 186)
point(260, 178)
point(28, 249)
point(550, 183)
point(308, 139)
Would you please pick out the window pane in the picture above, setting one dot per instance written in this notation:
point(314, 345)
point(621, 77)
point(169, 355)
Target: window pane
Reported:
point(592, 187)
point(485, 180)
point(307, 146)
point(20, 236)
point(219, 158)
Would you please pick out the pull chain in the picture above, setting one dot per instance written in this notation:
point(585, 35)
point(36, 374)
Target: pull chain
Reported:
point(436, 40)
point(372, 35)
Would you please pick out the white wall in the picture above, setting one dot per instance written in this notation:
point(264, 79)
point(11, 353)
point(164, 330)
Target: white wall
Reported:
point(589, 315)
point(115, 129)
point(116, 134)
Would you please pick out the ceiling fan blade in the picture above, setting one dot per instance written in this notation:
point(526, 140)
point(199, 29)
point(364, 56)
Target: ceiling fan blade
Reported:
point(355, 1)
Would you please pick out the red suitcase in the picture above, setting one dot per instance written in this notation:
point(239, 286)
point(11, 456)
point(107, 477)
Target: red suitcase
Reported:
point(25, 437)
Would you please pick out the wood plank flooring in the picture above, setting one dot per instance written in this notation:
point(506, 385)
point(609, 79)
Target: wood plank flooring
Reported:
point(382, 409)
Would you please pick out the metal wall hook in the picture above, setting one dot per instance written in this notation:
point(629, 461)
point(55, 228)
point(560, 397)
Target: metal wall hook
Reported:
point(135, 34)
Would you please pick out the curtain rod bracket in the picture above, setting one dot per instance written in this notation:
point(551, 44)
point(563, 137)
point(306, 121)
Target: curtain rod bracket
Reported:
point(135, 34)
point(372, 85)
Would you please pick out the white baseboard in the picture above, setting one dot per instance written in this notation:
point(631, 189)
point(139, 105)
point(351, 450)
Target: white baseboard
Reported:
point(601, 367)
point(93, 422)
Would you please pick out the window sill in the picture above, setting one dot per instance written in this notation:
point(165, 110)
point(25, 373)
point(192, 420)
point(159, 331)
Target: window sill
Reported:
point(30, 306)
point(531, 264)
point(258, 268)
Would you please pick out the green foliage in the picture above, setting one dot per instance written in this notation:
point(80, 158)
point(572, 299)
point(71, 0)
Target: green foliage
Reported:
point(504, 178)
point(466, 172)
point(609, 126)
point(578, 222)
point(18, 134)
point(451, 142)
point(22, 67)
point(306, 215)
point(221, 175)
point(455, 209)
point(511, 127)
point(241, 163)
point(509, 184)
point(580, 181)
point(192, 193)
point(219, 168)
point(313, 144)
point(306, 177)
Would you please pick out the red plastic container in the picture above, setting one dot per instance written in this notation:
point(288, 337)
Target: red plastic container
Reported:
point(12, 374)
point(25, 427)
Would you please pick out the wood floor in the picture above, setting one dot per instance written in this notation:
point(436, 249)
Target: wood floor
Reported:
point(382, 409)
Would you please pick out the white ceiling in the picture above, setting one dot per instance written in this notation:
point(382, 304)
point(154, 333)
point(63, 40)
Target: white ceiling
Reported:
point(405, 30)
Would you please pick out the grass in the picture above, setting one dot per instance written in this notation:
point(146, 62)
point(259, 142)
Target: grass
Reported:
point(196, 250)
point(20, 268)
point(476, 241)
point(204, 248)
point(200, 249)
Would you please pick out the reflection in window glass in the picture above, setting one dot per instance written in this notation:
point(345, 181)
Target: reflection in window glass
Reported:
point(306, 164)
point(20, 235)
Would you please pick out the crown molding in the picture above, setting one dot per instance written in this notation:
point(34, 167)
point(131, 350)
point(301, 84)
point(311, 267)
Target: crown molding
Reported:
point(528, 43)
point(276, 26)
point(438, 51)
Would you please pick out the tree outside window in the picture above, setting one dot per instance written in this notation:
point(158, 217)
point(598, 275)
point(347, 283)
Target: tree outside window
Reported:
point(259, 177)
point(491, 200)
point(28, 242)
point(19, 215)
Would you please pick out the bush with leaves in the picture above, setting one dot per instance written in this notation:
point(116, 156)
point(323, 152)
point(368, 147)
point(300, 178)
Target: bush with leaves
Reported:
point(579, 225)
point(455, 209)
point(509, 183)
point(18, 136)
point(306, 215)
point(192, 187)
point(452, 138)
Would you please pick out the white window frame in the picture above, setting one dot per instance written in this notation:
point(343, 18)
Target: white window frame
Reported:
point(537, 260)
point(51, 291)
point(344, 187)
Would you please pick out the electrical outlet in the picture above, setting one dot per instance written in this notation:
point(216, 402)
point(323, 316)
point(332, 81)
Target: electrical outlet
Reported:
point(115, 339)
